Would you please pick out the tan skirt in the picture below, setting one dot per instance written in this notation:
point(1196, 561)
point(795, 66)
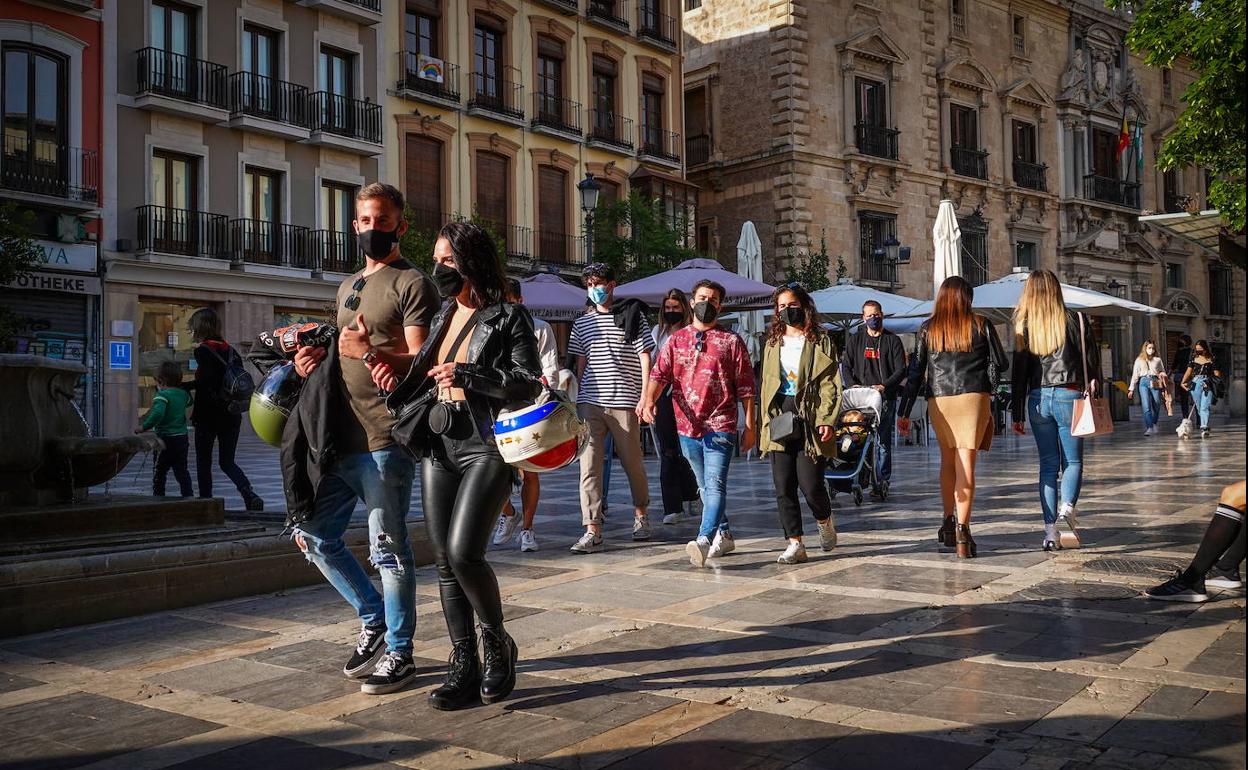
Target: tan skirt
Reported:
point(963, 421)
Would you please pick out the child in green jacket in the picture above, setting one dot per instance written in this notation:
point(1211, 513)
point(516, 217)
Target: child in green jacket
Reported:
point(168, 418)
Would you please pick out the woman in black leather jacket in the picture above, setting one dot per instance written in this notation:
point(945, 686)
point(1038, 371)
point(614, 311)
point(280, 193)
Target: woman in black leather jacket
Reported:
point(481, 355)
point(955, 357)
point(1053, 367)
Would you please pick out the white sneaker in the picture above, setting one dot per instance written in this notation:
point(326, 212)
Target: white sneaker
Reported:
point(641, 527)
point(527, 541)
point(722, 545)
point(675, 518)
point(698, 550)
point(1052, 541)
point(506, 529)
point(1066, 518)
point(794, 554)
point(587, 544)
point(827, 535)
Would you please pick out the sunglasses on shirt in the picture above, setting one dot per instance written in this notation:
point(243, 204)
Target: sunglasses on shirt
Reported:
point(353, 302)
point(700, 345)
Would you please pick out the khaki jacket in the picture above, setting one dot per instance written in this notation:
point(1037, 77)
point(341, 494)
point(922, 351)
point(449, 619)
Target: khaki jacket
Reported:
point(818, 394)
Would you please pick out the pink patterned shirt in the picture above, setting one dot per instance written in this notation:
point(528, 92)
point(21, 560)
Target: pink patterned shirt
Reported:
point(706, 384)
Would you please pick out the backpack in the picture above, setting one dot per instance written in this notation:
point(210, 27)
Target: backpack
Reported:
point(237, 384)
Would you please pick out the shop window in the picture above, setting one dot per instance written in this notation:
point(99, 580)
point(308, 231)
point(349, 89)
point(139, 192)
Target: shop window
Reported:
point(163, 335)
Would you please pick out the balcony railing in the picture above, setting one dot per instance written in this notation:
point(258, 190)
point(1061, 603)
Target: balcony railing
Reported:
point(878, 269)
point(41, 167)
point(262, 242)
point(1109, 190)
point(344, 116)
point(567, 6)
point(334, 251)
point(165, 73)
point(1030, 175)
point(264, 97)
point(517, 240)
point(558, 248)
point(182, 231)
point(878, 141)
point(610, 128)
point(958, 22)
point(698, 149)
point(501, 97)
point(425, 79)
point(1020, 45)
point(427, 220)
point(655, 26)
point(968, 162)
point(659, 143)
point(368, 5)
point(557, 113)
point(613, 13)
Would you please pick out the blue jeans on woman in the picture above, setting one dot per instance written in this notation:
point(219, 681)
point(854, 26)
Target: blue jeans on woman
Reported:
point(1150, 399)
point(383, 480)
point(709, 457)
point(1202, 394)
point(1051, 412)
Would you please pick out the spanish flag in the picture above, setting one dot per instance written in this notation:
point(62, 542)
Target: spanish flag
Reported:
point(1124, 136)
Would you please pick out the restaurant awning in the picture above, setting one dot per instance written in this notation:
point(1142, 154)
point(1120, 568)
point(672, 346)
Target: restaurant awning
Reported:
point(1204, 229)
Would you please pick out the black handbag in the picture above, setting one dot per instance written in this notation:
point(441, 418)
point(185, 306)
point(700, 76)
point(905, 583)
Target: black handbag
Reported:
point(786, 427)
point(418, 421)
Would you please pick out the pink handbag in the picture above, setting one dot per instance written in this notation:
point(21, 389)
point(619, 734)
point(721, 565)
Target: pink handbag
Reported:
point(1091, 413)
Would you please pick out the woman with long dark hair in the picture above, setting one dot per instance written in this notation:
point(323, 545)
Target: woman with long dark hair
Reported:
point(676, 479)
point(1201, 380)
point(956, 350)
point(481, 354)
point(799, 377)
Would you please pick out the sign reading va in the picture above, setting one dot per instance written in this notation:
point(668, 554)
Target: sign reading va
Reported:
point(78, 257)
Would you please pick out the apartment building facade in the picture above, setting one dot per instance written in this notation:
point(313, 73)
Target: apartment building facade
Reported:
point(499, 108)
point(242, 129)
point(50, 152)
point(853, 119)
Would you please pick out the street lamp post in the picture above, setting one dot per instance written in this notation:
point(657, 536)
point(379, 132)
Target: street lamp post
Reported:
point(589, 189)
point(889, 253)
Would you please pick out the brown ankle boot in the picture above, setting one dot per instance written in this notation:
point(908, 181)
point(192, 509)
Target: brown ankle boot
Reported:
point(965, 543)
point(945, 535)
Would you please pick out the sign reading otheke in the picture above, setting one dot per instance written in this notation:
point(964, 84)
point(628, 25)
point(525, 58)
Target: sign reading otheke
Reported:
point(119, 354)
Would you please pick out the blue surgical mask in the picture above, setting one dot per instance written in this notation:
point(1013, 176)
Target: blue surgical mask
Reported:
point(597, 294)
point(875, 323)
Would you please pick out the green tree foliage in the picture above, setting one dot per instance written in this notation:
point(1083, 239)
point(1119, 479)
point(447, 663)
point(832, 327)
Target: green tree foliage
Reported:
point(634, 236)
point(417, 243)
point(19, 255)
point(811, 269)
point(1210, 131)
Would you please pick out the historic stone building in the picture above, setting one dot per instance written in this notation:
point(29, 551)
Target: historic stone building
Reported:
point(853, 119)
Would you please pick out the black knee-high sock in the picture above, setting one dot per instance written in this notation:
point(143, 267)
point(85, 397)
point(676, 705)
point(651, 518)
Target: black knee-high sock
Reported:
point(1235, 554)
point(1220, 535)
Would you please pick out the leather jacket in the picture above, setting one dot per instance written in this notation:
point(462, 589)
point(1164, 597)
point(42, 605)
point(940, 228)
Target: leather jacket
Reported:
point(1061, 367)
point(946, 373)
point(503, 364)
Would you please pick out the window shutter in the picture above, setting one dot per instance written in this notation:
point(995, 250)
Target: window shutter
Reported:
point(492, 188)
point(424, 181)
point(552, 197)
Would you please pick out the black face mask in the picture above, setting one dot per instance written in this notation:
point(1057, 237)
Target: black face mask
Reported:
point(450, 282)
point(793, 316)
point(705, 312)
point(378, 244)
point(671, 318)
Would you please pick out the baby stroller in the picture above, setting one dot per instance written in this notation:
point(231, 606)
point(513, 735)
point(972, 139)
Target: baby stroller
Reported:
point(857, 443)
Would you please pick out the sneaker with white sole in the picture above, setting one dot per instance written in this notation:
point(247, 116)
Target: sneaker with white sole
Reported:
point(506, 529)
point(527, 541)
point(827, 534)
point(698, 550)
point(370, 642)
point(641, 527)
point(676, 518)
point(395, 671)
point(722, 545)
point(794, 554)
point(589, 543)
point(1224, 578)
point(1066, 519)
point(1052, 540)
point(1179, 589)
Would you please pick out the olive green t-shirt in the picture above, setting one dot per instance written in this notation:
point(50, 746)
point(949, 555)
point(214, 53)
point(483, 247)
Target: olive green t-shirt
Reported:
point(396, 295)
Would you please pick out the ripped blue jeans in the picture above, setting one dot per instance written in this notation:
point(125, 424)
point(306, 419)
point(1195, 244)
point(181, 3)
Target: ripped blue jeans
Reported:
point(383, 480)
point(709, 457)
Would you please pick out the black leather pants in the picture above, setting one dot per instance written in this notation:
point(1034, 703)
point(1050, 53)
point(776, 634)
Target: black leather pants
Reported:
point(464, 485)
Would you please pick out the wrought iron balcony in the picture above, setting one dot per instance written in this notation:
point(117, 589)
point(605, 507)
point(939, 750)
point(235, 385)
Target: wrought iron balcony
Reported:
point(698, 149)
point(1030, 175)
point(41, 167)
point(182, 231)
point(610, 128)
point(262, 242)
point(968, 162)
point(556, 113)
point(660, 144)
point(878, 141)
point(559, 248)
point(497, 96)
point(567, 7)
point(656, 27)
point(1110, 190)
point(878, 268)
point(264, 97)
point(436, 78)
point(334, 251)
point(164, 73)
point(344, 116)
point(613, 13)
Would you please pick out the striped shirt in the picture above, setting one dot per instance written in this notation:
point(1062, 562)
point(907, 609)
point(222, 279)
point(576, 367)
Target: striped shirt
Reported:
point(612, 377)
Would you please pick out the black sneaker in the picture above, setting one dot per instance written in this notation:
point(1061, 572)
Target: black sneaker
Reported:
point(1179, 589)
point(369, 643)
point(395, 671)
point(1224, 578)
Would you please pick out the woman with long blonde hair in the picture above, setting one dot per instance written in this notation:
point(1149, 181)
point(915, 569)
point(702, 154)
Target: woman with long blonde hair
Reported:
point(1047, 379)
point(1149, 372)
point(956, 352)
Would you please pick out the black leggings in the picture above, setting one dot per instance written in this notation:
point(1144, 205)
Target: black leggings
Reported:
point(463, 486)
point(223, 432)
point(792, 468)
point(676, 479)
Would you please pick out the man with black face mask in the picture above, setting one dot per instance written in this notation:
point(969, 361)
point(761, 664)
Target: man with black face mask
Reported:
point(384, 312)
point(875, 358)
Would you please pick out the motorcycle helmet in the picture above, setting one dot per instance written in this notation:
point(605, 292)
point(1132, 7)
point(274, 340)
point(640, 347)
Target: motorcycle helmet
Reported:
point(544, 436)
point(273, 401)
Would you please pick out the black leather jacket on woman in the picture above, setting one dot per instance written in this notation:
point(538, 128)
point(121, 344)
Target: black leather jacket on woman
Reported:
point(952, 374)
point(1061, 367)
point(503, 365)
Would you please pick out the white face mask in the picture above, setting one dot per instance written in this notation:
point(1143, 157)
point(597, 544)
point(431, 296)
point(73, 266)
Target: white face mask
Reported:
point(1151, 351)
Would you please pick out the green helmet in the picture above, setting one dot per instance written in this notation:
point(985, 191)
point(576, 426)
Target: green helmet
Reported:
point(273, 401)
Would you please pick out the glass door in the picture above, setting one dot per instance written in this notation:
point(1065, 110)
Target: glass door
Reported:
point(261, 206)
point(260, 65)
point(338, 83)
point(173, 36)
point(173, 222)
point(35, 155)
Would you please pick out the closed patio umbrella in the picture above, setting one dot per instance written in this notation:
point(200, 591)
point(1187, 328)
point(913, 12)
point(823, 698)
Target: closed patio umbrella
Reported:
point(947, 243)
point(750, 265)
